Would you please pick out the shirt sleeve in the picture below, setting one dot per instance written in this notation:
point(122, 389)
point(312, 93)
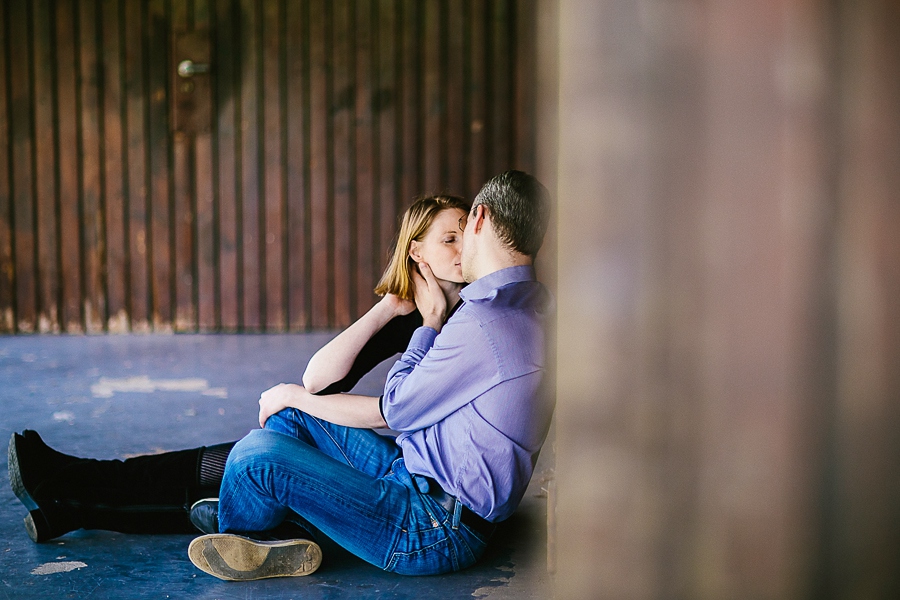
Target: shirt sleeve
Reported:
point(388, 341)
point(437, 375)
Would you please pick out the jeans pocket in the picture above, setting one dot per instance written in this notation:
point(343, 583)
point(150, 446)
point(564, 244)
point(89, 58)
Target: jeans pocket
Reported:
point(434, 559)
point(438, 550)
point(473, 543)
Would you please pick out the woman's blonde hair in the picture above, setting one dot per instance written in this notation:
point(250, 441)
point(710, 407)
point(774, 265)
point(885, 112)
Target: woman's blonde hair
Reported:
point(397, 278)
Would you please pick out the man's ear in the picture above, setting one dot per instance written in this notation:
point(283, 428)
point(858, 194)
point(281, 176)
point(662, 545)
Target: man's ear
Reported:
point(478, 216)
point(414, 251)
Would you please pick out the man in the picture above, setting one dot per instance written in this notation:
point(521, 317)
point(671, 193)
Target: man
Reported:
point(463, 397)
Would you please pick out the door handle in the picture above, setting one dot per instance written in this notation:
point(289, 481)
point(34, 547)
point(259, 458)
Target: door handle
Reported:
point(191, 97)
point(188, 68)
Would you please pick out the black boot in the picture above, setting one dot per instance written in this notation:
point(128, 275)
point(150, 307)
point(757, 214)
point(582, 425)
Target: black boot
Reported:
point(47, 456)
point(30, 462)
point(145, 494)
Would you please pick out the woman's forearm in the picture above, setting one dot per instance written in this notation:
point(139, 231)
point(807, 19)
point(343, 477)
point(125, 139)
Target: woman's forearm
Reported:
point(350, 410)
point(334, 360)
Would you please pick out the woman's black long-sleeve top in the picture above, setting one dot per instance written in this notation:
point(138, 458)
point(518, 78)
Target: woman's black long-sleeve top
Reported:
point(391, 339)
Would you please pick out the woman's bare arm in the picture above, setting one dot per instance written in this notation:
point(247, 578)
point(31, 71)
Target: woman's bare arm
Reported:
point(334, 360)
point(350, 410)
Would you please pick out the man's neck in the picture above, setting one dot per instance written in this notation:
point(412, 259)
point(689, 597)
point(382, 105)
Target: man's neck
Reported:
point(502, 260)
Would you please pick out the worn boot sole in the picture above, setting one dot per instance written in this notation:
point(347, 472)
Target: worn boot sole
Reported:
point(15, 476)
point(237, 558)
point(36, 525)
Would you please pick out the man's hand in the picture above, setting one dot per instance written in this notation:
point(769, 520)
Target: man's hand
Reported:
point(283, 395)
point(430, 298)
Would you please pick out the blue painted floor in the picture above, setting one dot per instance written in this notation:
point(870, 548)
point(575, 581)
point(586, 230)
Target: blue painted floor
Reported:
point(118, 396)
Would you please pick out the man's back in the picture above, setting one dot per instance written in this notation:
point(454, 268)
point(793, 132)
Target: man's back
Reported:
point(466, 400)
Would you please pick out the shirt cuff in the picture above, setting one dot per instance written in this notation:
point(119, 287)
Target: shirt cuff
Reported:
point(422, 340)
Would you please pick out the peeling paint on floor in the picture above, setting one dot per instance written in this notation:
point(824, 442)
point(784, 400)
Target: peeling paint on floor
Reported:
point(115, 565)
point(64, 415)
point(58, 567)
point(107, 386)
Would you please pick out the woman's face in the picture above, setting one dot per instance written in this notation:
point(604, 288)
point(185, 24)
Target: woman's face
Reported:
point(441, 247)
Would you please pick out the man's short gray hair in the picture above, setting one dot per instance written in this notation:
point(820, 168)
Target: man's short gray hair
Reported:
point(519, 206)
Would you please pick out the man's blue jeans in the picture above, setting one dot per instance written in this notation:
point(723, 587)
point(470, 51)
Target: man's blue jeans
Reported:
point(348, 484)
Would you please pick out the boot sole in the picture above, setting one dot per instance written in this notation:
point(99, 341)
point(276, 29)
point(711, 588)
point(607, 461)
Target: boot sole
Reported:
point(36, 525)
point(37, 533)
point(15, 476)
point(237, 558)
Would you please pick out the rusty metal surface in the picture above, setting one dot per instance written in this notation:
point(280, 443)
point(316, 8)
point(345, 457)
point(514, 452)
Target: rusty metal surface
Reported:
point(261, 196)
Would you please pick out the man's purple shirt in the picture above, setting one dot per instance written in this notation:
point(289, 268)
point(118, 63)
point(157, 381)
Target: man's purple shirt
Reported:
point(467, 402)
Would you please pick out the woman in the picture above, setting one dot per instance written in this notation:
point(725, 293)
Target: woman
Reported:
point(152, 494)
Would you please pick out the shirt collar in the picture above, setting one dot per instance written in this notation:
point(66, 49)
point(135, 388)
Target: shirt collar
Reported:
point(481, 288)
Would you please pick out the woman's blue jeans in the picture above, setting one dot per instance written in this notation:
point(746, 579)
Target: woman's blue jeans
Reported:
point(348, 484)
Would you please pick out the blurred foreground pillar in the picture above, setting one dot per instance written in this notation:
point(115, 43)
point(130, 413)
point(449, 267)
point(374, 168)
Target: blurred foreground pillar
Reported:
point(729, 298)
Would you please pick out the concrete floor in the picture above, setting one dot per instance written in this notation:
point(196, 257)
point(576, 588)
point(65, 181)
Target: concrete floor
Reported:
point(117, 396)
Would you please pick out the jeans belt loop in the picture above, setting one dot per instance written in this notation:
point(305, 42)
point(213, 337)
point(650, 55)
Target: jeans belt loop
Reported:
point(457, 513)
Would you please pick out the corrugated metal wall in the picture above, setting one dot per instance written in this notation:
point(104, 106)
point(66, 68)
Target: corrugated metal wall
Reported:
point(261, 196)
